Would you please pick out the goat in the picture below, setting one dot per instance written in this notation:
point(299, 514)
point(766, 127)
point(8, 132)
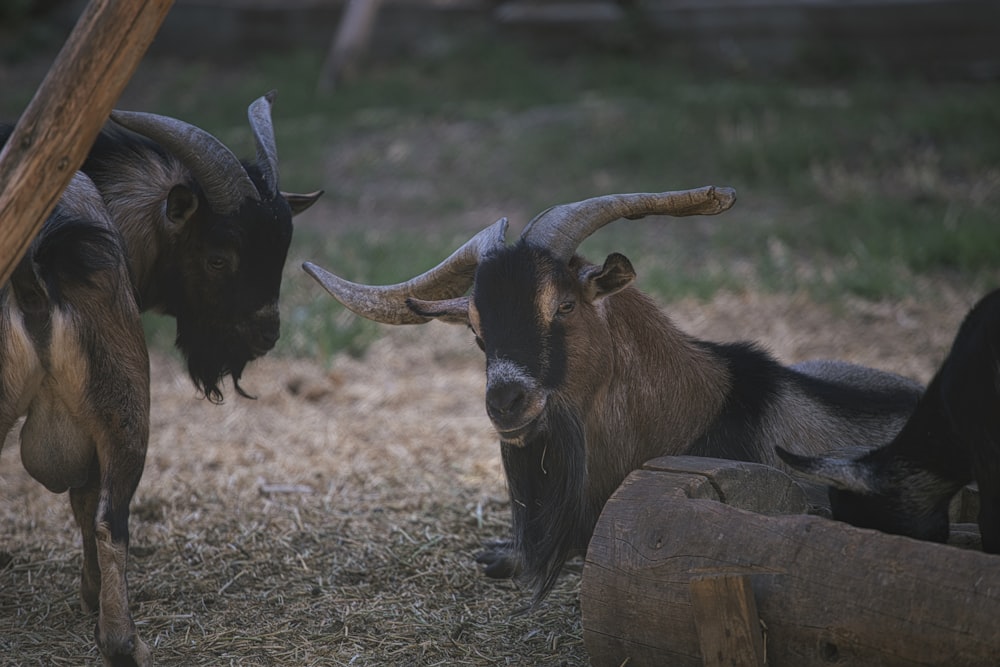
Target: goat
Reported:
point(952, 438)
point(163, 217)
point(586, 378)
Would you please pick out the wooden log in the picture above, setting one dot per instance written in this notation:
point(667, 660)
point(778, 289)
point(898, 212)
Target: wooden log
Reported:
point(827, 593)
point(56, 130)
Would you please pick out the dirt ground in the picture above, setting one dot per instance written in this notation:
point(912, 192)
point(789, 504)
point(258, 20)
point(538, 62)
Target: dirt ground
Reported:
point(333, 520)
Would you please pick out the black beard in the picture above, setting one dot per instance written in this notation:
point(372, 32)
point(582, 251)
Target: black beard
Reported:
point(210, 360)
point(546, 478)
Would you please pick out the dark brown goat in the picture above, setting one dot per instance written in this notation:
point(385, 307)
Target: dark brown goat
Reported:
point(164, 217)
point(586, 378)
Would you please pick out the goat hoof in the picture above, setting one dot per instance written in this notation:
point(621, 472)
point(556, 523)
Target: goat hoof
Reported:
point(127, 651)
point(500, 560)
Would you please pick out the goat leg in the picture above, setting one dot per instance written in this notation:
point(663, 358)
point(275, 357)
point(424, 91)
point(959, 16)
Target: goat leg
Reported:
point(83, 500)
point(115, 633)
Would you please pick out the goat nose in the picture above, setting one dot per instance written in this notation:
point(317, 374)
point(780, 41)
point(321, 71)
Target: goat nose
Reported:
point(505, 398)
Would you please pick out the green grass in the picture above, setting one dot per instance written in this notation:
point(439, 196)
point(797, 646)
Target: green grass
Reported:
point(847, 187)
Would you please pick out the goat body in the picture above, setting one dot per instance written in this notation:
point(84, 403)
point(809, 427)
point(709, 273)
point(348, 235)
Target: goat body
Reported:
point(180, 227)
point(952, 438)
point(586, 378)
point(622, 385)
point(74, 362)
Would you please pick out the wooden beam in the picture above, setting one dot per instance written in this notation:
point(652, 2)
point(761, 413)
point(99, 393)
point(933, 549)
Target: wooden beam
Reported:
point(56, 130)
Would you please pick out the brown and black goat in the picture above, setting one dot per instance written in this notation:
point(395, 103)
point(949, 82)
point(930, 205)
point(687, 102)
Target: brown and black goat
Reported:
point(162, 216)
point(952, 438)
point(586, 378)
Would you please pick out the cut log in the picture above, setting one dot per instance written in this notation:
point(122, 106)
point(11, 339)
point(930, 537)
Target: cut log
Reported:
point(826, 592)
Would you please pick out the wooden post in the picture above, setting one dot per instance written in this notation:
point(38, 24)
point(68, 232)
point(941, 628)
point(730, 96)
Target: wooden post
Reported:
point(725, 614)
point(56, 130)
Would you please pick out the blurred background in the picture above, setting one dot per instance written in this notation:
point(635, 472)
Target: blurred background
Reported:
point(863, 137)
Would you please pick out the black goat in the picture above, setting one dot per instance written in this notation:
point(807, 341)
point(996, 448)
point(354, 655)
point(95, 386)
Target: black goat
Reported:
point(586, 378)
point(952, 438)
point(164, 217)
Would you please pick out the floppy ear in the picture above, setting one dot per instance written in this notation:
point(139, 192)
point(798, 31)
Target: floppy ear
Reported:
point(616, 274)
point(841, 473)
point(452, 311)
point(299, 203)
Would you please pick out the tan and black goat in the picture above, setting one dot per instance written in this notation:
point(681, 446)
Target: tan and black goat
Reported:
point(586, 378)
point(161, 217)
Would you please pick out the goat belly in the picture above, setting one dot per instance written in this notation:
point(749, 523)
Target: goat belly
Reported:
point(54, 449)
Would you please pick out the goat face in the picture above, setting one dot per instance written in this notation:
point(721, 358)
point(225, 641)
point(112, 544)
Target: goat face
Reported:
point(228, 280)
point(223, 234)
point(538, 321)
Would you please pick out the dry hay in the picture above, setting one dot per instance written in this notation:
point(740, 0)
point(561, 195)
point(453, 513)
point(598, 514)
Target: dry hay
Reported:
point(333, 520)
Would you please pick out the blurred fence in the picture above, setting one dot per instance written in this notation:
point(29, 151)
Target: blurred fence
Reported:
point(940, 38)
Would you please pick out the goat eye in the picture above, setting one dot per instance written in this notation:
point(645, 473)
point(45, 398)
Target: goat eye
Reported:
point(217, 262)
point(565, 308)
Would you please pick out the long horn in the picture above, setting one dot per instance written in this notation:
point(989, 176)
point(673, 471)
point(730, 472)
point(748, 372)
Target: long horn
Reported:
point(263, 133)
point(561, 229)
point(218, 171)
point(387, 303)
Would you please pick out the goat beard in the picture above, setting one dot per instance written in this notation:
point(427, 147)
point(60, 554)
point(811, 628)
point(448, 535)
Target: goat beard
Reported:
point(546, 478)
point(210, 360)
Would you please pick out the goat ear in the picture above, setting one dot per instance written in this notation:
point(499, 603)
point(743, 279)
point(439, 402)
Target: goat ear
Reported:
point(182, 202)
point(616, 274)
point(299, 203)
point(841, 473)
point(452, 311)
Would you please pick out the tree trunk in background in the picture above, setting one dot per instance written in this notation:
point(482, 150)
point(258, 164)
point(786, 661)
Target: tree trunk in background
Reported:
point(349, 44)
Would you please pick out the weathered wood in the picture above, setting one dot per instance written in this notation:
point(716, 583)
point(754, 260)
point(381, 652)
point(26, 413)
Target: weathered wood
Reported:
point(725, 613)
point(59, 125)
point(827, 592)
point(750, 486)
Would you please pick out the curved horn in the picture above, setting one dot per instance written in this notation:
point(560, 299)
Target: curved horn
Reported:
point(217, 170)
point(561, 229)
point(387, 303)
point(263, 133)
